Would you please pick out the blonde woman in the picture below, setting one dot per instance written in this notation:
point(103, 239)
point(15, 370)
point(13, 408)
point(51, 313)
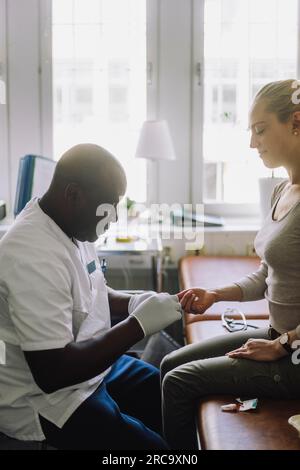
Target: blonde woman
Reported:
point(258, 363)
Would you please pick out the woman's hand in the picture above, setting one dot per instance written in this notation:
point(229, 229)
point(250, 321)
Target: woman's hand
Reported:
point(259, 350)
point(196, 300)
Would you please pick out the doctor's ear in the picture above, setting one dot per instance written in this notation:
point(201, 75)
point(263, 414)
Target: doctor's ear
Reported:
point(74, 195)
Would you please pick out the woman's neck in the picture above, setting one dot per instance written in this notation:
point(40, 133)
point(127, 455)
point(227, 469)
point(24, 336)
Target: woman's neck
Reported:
point(294, 177)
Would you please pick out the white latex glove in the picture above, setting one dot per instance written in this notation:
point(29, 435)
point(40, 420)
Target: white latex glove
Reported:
point(137, 299)
point(157, 311)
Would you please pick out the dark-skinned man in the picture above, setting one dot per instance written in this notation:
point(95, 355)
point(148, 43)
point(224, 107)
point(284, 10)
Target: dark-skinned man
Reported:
point(66, 378)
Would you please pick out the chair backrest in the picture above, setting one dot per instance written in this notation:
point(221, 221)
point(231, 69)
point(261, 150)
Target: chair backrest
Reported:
point(34, 177)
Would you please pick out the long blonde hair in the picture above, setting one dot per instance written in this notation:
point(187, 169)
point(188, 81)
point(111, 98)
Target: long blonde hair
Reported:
point(279, 98)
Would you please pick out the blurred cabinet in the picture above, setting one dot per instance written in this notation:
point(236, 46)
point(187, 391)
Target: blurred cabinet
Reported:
point(135, 264)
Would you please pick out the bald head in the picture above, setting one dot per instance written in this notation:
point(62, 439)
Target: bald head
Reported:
point(85, 177)
point(92, 167)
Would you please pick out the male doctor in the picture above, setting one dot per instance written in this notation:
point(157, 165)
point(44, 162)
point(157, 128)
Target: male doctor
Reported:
point(66, 377)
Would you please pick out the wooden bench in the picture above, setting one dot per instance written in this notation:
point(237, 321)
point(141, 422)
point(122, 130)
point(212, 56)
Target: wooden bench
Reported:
point(266, 428)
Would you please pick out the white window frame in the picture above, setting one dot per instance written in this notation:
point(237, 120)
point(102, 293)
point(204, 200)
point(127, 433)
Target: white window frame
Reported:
point(5, 183)
point(152, 61)
point(26, 119)
point(241, 210)
point(46, 88)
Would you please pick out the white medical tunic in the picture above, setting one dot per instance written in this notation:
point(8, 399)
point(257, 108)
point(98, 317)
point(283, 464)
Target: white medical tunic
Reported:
point(52, 292)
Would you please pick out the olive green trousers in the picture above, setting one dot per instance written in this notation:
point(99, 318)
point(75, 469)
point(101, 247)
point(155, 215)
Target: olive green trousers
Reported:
point(202, 369)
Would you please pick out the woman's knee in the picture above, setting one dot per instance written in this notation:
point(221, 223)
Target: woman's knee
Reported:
point(170, 387)
point(175, 385)
point(170, 362)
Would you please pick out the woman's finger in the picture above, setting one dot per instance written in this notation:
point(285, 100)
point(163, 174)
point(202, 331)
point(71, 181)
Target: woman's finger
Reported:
point(185, 298)
point(188, 306)
point(242, 348)
point(181, 294)
point(251, 340)
point(238, 354)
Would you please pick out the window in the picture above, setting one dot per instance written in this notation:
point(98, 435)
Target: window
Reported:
point(99, 79)
point(246, 45)
point(4, 164)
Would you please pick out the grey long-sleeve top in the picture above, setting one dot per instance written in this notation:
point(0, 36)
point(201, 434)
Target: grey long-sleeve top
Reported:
point(278, 278)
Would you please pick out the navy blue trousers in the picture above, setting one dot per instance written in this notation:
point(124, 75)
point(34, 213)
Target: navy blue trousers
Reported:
point(123, 413)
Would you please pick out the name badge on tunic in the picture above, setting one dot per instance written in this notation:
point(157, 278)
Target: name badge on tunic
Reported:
point(91, 267)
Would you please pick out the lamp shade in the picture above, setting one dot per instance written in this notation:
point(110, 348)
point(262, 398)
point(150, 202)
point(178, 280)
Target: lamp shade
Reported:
point(155, 142)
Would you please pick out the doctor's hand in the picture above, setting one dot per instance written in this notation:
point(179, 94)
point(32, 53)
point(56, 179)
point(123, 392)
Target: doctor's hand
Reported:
point(196, 300)
point(156, 311)
point(137, 299)
point(259, 350)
